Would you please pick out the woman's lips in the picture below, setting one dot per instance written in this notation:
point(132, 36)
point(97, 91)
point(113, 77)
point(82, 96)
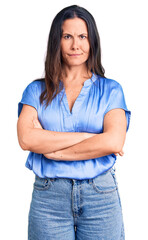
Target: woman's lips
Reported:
point(74, 55)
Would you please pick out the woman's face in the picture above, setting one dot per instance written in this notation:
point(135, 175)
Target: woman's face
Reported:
point(75, 45)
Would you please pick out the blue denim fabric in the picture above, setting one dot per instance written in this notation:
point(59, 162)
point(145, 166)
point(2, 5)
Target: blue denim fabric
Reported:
point(67, 209)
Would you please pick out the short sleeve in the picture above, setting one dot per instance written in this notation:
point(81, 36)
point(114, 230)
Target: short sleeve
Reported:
point(116, 99)
point(29, 97)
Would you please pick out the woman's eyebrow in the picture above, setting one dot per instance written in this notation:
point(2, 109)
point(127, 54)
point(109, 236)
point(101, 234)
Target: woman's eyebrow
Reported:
point(64, 33)
point(83, 34)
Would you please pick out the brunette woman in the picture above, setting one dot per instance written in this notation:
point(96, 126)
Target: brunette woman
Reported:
point(74, 123)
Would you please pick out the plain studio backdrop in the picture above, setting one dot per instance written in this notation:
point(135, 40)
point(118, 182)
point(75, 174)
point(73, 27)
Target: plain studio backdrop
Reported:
point(25, 26)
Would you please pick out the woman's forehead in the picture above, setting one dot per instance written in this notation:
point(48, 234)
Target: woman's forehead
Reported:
point(75, 25)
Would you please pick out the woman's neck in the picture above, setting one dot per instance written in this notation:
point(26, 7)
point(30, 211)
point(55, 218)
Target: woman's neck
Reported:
point(77, 74)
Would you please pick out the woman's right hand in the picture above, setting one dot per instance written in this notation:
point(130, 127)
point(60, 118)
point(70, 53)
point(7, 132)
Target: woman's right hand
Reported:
point(36, 123)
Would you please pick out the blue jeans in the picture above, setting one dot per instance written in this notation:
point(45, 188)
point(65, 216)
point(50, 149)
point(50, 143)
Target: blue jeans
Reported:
point(67, 209)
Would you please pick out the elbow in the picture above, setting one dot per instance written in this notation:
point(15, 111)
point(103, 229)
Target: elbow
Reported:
point(116, 146)
point(24, 147)
point(25, 141)
point(28, 144)
point(116, 142)
point(24, 137)
point(23, 144)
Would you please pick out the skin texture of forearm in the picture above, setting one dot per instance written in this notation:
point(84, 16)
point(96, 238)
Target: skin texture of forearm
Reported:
point(97, 146)
point(43, 141)
point(33, 137)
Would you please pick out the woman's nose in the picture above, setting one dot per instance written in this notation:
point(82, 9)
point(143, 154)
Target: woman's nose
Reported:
point(75, 44)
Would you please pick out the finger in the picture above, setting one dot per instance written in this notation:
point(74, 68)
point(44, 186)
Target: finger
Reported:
point(36, 123)
point(121, 153)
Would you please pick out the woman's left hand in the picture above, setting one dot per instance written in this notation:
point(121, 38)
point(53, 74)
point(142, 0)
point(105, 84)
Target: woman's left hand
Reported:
point(120, 153)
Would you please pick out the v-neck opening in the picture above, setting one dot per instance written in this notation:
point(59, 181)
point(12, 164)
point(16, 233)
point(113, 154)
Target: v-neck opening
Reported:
point(79, 101)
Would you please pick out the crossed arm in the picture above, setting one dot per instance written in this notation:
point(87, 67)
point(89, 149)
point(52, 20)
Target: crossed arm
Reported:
point(73, 146)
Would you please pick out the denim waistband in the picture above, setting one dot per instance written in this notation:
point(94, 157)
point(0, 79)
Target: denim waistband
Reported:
point(75, 180)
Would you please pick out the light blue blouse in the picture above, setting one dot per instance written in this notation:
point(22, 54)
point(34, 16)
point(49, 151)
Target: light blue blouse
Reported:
point(98, 96)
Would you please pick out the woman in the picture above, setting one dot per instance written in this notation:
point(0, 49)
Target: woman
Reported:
point(74, 123)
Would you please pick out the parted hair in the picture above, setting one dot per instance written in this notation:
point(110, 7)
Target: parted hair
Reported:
point(53, 60)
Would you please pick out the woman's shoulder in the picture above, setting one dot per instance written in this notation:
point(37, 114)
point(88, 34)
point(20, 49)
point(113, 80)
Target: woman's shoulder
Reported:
point(37, 82)
point(37, 85)
point(103, 82)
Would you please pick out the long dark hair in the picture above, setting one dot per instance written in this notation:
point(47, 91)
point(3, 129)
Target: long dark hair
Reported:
point(53, 62)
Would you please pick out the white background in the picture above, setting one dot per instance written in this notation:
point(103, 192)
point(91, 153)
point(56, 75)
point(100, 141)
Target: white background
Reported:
point(25, 26)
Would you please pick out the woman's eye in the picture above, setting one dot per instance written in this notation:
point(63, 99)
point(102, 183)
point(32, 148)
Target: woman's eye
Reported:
point(82, 36)
point(67, 36)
